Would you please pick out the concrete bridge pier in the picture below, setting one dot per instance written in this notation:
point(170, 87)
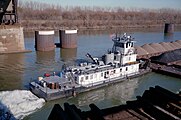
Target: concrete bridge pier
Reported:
point(11, 39)
point(169, 28)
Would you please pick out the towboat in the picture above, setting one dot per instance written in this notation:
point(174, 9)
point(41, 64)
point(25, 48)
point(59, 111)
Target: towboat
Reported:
point(118, 64)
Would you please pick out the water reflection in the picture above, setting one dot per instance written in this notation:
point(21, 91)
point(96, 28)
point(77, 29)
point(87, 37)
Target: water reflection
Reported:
point(168, 37)
point(45, 60)
point(45, 57)
point(111, 95)
point(68, 54)
point(12, 67)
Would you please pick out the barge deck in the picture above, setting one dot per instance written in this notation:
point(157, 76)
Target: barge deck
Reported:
point(155, 104)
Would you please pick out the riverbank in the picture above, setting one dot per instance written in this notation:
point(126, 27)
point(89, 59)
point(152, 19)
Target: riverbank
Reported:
point(44, 17)
point(52, 25)
point(30, 25)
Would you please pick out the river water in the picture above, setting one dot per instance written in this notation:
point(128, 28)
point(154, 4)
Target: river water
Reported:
point(16, 70)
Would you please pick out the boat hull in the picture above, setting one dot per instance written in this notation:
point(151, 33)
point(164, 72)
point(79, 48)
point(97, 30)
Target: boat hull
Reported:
point(56, 94)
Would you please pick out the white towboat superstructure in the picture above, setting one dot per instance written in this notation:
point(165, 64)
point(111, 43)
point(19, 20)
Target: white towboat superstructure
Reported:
point(116, 65)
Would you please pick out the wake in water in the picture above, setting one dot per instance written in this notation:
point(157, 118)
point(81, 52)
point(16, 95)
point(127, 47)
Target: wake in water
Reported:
point(18, 103)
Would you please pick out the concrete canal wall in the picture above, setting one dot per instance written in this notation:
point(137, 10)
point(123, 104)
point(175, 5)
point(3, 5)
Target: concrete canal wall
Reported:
point(11, 39)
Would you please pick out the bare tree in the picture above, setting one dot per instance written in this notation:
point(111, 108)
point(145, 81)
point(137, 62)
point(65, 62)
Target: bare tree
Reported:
point(33, 15)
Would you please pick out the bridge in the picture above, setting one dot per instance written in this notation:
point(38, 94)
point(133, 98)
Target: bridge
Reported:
point(11, 34)
point(8, 12)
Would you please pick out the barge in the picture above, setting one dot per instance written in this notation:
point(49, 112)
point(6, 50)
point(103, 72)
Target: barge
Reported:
point(157, 103)
point(117, 65)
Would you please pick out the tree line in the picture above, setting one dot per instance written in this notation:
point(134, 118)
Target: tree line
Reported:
point(35, 15)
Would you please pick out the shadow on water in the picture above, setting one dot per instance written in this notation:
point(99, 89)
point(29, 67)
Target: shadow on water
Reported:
point(68, 54)
point(12, 67)
point(5, 113)
point(45, 61)
point(45, 57)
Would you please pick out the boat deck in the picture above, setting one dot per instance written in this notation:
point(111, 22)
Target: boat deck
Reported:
point(50, 91)
point(51, 94)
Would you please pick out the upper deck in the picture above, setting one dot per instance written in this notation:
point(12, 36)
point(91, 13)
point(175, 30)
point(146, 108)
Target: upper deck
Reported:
point(124, 45)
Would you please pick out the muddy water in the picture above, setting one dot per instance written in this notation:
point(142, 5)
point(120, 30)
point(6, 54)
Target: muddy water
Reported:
point(16, 70)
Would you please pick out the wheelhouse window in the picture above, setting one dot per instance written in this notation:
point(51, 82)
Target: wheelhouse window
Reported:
point(127, 45)
point(129, 58)
point(114, 57)
point(91, 76)
point(120, 45)
point(101, 74)
point(95, 75)
point(131, 44)
point(87, 77)
point(82, 79)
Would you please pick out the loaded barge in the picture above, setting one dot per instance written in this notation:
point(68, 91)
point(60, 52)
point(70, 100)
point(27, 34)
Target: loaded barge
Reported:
point(117, 65)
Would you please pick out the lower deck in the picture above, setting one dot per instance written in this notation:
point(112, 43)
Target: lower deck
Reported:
point(51, 94)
